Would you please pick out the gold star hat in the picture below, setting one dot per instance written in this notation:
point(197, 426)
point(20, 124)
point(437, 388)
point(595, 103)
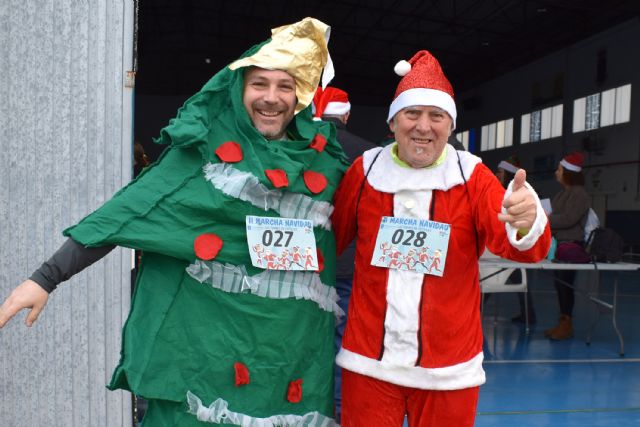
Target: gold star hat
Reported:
point(301, 50)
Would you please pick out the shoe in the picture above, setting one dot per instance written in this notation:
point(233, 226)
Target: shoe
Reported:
point(548, 332)
point(564, 330)
point(521, 319)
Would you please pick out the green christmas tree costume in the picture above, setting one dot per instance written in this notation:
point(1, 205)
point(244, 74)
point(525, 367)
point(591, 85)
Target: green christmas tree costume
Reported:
point(219, 340)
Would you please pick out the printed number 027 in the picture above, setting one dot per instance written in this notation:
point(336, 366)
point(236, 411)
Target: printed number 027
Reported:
point(268, 238)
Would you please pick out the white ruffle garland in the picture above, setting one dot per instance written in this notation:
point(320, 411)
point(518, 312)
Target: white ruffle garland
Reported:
point(277, 284)
point(246, 187)
point(219, 413)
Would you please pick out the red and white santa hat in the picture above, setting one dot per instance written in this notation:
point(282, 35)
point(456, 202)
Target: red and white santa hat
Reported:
point(330, 101)
point(423, 83)
point(573, 161)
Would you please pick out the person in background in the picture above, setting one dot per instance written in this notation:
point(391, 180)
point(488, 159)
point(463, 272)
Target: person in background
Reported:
point(140, 159)
point(505, 172)
point(569, 210)
point(211, 337)
point(413, 341)
point(332, 105)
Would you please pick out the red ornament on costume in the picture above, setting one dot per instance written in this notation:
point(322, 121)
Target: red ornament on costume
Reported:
point(315, 181)
point(318, 143)
point(278, 177)
point(320, 260)
point(294, 392)
point(229, 152)
point(207, 246)
point(242, 374)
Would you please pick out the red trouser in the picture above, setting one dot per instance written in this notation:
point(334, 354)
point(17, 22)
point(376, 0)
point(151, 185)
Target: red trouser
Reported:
point(370, 402)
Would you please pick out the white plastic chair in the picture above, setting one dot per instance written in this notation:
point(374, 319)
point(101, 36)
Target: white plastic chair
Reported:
point(494, 280)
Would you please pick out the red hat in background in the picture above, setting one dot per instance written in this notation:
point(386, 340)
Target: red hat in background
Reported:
point(424, 83)
point(330, 101)
point(573, 161)
point(512, 164)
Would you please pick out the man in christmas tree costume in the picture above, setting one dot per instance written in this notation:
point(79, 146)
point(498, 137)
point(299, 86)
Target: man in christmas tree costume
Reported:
point(413, 342)
point(211, 338)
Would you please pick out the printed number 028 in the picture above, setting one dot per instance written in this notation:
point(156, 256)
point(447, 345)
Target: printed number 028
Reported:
point(408, 237)
point(268, 238)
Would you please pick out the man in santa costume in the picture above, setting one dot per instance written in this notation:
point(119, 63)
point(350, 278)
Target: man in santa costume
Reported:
point(212, 338)
point(413, 343)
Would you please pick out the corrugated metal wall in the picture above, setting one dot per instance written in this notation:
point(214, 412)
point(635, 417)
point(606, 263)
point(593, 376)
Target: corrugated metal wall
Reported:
point(65, 148)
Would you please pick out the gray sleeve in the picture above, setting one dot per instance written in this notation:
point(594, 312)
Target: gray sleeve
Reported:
point(69, 259)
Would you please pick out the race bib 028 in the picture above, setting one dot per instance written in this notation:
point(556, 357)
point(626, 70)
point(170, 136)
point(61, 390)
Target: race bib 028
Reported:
point(412, 244)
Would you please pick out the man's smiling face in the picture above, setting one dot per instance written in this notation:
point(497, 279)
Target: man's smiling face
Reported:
point(421, 133)
point(269, 97)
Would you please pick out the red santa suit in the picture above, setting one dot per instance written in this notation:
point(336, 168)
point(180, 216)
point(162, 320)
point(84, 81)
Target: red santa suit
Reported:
point(411, 329)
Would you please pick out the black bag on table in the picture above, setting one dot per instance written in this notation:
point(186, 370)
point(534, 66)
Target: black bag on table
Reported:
point(604, 245)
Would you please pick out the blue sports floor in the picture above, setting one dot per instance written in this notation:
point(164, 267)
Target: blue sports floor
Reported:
point(532, 381)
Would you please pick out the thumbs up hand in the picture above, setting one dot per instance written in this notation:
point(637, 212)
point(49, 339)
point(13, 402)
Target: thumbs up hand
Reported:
point(520, 206)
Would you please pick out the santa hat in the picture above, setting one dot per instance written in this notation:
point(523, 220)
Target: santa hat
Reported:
point(330, 101)
point(573, 161)
point(423, 83)
point(512, 164)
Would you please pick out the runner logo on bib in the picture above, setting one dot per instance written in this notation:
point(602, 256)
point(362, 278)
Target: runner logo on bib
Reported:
point(281, 243)
point(412, 244)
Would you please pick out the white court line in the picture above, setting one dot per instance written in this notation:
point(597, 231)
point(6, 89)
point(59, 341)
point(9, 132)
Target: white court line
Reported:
point(617, 360)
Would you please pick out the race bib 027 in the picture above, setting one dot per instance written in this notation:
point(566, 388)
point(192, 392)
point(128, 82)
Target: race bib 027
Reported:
point(281, 243)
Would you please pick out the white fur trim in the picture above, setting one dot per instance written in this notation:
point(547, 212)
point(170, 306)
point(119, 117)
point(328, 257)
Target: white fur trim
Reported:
point(389, 177)
point(456, 377)
point(507, 166)
point(537, 229)
point(422, 96)
point(337, 108)
point(402, 68)
point(404, 290)
point(570, 166)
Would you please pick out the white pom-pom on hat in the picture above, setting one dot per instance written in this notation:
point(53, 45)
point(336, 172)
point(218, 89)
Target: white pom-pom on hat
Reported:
point(402, 68)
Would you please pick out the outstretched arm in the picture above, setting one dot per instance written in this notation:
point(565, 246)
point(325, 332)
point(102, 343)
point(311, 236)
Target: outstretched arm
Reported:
point(33, 293)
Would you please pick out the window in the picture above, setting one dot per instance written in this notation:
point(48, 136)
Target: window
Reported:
point(592, 112)
point(623, 104)
point(464, 138)
point(602, 109)
point(541, 124)
point(496, 135)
